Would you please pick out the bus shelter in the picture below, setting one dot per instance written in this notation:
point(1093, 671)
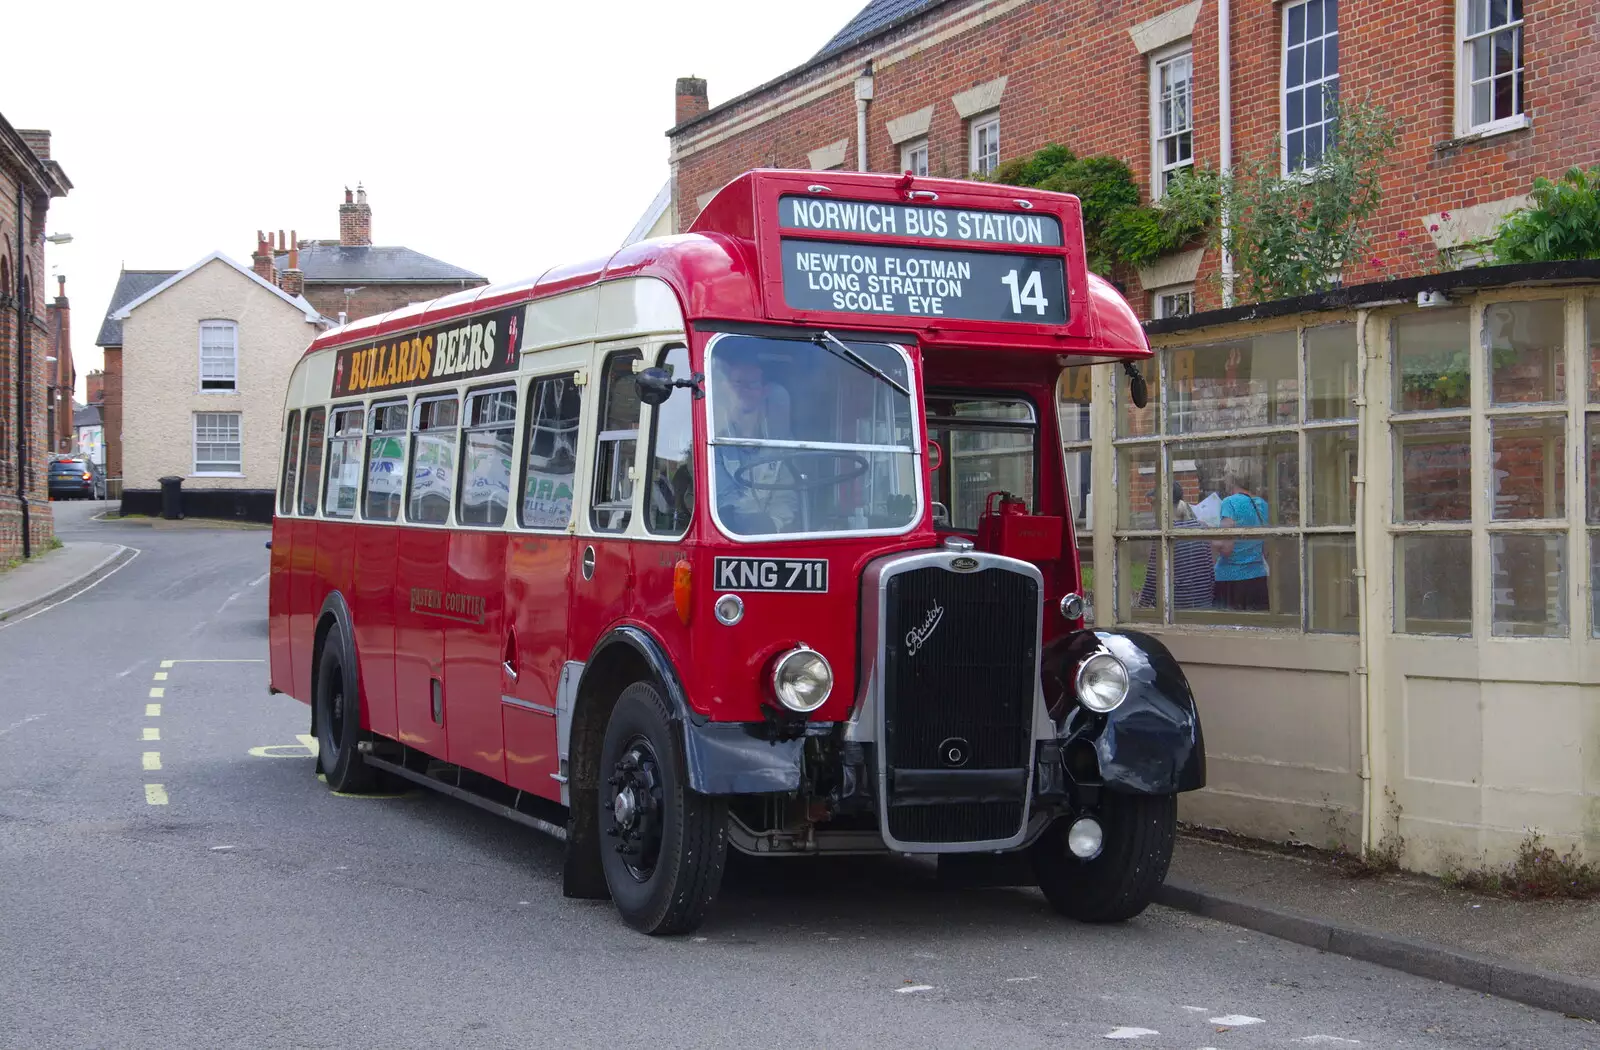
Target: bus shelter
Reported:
point(1367, 522)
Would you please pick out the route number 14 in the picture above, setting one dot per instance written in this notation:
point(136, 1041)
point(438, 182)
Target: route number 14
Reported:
point(1031, 293)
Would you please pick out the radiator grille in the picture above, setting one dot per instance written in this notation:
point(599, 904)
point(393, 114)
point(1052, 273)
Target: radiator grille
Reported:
point(961, 661)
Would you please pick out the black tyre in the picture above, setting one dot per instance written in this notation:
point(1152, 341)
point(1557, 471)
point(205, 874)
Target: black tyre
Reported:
point(337, 698)
point(1132, 864)
point(662, 846)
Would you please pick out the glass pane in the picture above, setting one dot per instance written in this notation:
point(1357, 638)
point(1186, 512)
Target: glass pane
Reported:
point(1296, 77)
point(1331, 458)
point(1592, 461)
point(1433, 471)
point(386, 459)
point(1330, 56)
point(1313, 19)
point(1527, 468)
point(1140, 594)
point(1241, 483)
point(1335, 605)
point(977, 463)
point(1194, 568)
point(1079, 464)
point(1433, 584)
point(1591, 324)
point(344, 476)
point(311, 469)
point(433, 468)
point(1431, 361)
point(1297, 150)
point(1331, 372)
point(1256, 583)
point(1133, 421)
point(808, 442)
point(1528, 577)
point(1594, 584)
point(1296, 117)
point(1136, 487)
point(670, 503)
point(1482, 103)
point(1073, 394)
point(1086, 574)
point(1297, 24)
point(1313, 146)
point(551, 459)
point(612, 502)
point(1247, 383)
point(291, 464)
point(1525, 341)
point(1314, 70)
point(485, 477)
point(1477, 16)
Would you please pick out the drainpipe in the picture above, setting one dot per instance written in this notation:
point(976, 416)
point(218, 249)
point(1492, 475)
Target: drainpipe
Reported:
point(24, 314)
point(1225, 135)
point(1364, 625)
point(863, 99)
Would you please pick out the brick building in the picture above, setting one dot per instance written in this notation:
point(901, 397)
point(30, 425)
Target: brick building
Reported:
point(131, 284)
point(947, 87)
point(351, 277)
point(29, 179)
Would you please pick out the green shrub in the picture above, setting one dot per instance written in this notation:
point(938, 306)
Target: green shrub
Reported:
point(1564, 222)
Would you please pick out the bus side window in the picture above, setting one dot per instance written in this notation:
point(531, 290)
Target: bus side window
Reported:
point(486, 457)
point(669, 501)
point(311, 469)
point(552, 452)
point(291, 457)
point(433, 459)
point(386, 461)
point(344, 463)
point(612, 506)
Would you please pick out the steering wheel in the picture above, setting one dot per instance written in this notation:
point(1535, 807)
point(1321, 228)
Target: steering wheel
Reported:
point(801, 482)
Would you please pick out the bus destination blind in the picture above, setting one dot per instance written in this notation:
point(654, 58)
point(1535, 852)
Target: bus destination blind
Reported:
point(924, 282)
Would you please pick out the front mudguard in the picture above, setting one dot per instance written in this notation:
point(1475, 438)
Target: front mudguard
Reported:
point(1152, 743)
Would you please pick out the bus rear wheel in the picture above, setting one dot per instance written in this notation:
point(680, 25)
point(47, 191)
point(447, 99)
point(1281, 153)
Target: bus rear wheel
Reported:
point(339, 722)
point(1122, 879)
point(662, 845)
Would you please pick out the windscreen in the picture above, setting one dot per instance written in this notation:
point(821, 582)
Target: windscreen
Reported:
point(811, 438)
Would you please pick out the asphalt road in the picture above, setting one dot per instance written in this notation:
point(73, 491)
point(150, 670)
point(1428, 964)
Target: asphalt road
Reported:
point(252, 908)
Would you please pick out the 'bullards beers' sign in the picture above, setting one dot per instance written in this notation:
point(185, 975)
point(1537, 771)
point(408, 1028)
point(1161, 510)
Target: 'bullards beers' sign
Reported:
point(957, 283)
point(479, 346)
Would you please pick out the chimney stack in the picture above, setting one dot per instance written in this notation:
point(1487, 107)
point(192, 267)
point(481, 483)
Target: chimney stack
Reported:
point(691, 99)
point(261, 261)
point(61, 290)
point(95, 387)
point(36, 140)
point(294, 282)
point(355, 219)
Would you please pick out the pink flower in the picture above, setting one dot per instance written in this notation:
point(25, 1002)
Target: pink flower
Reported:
point(1377, 261)
point(1433, 228)
point(1445, 216)
point(1404, 234)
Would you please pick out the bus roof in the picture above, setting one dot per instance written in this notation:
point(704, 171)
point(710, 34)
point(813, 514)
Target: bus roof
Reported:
point(743, 261)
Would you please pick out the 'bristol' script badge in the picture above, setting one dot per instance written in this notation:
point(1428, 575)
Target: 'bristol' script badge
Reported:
point(917, 637)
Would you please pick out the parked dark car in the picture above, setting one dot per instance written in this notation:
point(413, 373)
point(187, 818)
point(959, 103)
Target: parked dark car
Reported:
point(76, 477)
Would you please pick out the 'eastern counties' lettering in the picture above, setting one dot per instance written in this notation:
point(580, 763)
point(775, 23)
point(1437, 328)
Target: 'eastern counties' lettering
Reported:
point(916, 220)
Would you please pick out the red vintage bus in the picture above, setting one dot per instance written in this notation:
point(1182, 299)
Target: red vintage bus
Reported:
point(757, 536)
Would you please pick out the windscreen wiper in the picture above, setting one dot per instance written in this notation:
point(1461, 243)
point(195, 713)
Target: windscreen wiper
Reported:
point(836, 346)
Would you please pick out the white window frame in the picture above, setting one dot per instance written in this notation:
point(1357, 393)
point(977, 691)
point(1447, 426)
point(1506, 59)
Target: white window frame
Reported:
point(1158, 170)
point(1464, 75)
point(1158, 309)
point(1323, 81)
point(232, 328)
point(983, 122)
point(194, 434)
point(908, 157)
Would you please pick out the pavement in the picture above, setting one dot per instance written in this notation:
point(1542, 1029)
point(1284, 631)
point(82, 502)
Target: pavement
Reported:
point(176, 876)
point(53, 574)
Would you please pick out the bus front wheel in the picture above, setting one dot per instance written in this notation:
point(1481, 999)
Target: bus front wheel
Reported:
point(662, 845)
point(339, 722)
point(1121, 880)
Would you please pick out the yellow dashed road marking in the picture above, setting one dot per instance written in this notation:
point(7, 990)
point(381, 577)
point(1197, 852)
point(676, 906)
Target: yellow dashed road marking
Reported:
point(308, 740)
point(168, 663)
point(161, 676)
point(152, 733)
point(157, 692)
point(155, 794)
point(152, 710)
point(152, 760)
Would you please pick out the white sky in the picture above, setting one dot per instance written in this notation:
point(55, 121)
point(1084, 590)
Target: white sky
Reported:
point(502, 137)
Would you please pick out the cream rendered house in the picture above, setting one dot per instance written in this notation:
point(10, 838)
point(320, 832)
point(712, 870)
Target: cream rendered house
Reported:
point(206, 358)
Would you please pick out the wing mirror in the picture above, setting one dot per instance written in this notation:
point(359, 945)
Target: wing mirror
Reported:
point(655, 385)
point(1138, 389)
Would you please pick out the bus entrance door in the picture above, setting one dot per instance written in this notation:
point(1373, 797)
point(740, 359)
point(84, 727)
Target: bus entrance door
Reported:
point(422, 572)
point(538, 588)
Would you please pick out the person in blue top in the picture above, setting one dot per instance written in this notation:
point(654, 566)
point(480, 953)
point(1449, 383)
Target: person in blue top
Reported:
point(1241, 570)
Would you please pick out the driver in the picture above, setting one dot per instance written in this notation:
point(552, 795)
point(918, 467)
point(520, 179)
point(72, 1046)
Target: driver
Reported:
point(755, 493)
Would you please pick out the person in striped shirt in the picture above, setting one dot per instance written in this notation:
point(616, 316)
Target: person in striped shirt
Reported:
point(1193, 566)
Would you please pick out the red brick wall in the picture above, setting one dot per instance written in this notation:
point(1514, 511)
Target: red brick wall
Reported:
point(36, 334)
point(1076, 78)
point(329, 299)
point(111, 411)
